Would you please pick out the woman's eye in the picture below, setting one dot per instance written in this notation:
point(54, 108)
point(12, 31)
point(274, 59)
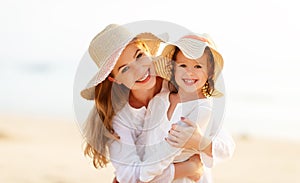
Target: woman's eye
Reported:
point(182, 65)
point(124, 69)
point(139, 55)
point(198, 66)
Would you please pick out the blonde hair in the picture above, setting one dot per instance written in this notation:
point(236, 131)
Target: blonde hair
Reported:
point(98, 131)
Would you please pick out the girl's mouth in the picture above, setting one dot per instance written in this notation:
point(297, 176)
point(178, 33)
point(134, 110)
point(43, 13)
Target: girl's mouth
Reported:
point(189, 81)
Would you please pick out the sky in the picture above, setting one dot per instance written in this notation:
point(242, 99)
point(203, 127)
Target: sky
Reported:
point(259, 40)
point(60, 30)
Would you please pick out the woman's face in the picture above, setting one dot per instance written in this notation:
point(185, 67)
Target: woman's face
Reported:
point(191, 75)
point(134, 68)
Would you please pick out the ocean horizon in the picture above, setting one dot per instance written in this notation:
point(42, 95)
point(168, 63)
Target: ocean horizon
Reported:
point(46, 89)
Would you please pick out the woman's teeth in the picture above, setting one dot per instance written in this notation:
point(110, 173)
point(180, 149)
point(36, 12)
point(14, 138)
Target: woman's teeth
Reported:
point(144, 77)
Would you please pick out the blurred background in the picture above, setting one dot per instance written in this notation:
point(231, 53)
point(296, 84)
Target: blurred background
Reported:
point(42, 43)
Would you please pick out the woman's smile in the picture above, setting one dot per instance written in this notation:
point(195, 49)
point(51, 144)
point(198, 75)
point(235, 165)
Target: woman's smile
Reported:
point(145, 77)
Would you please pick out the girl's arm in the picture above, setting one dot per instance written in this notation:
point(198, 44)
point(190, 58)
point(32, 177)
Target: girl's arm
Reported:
point(158, 153)
point(159, 163)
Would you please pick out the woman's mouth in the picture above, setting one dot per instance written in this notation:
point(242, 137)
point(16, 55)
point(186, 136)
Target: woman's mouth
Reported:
point(145, 77)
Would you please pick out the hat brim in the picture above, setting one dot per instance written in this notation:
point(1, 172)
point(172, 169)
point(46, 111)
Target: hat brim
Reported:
point(152, 42)
point(192, 49)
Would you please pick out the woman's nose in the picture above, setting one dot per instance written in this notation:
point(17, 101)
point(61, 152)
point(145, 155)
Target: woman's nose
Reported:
point(136, 66)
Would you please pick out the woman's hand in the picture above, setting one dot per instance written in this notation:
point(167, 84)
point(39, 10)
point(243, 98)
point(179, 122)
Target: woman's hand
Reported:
point(192, 168)
point(197, 174)
point(189, 136)
point(115, 180)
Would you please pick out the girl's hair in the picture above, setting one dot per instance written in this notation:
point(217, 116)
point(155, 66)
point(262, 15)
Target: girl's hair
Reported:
point(109, 99)
point(208, 91)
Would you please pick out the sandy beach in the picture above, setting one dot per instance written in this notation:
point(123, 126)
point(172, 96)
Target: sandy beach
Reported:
point(45, 150)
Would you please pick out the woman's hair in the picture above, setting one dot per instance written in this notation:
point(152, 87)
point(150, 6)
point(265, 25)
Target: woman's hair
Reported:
point(173, 86)
point(109, 99)
point(95, 129)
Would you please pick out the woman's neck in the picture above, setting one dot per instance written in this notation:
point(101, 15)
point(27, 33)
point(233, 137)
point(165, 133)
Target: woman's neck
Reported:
point(140, 98)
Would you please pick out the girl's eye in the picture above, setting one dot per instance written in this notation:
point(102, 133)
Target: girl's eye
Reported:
point(124, 69)
point(198, 66)
point(182, 65)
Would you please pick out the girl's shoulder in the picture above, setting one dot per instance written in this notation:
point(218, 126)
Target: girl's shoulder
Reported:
point(204, 103)
point(198, 103)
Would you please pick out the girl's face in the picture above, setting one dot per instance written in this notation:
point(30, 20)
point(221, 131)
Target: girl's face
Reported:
point(134, 68)
point(191, 75)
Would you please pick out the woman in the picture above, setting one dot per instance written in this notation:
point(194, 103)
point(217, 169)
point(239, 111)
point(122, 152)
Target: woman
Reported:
point(117, 52)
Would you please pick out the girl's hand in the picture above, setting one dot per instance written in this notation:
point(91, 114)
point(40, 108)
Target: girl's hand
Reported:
point(189, 136)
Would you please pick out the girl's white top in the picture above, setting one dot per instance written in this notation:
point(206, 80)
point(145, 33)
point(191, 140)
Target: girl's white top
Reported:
point(158, 153)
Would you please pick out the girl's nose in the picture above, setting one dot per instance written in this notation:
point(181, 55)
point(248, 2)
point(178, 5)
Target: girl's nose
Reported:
point(189, 71)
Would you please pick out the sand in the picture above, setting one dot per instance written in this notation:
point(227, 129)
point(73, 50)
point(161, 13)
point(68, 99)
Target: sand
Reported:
point(260, 160)
point(45, 150)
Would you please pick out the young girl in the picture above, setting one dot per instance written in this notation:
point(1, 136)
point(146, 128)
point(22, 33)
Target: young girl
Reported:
point(194, 72)
point(121, 89)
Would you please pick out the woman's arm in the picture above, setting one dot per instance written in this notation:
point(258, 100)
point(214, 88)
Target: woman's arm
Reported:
point(127, 161)
point(123, 154)
point(193, 168)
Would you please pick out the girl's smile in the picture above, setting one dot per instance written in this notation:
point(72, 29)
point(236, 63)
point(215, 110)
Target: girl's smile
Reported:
point(189, 82)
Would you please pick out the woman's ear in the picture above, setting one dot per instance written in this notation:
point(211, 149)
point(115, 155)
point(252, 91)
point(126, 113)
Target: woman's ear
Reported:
point(111, 79)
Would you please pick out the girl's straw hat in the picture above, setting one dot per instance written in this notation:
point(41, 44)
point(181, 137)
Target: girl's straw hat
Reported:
point(106, 48)
point(192, 46)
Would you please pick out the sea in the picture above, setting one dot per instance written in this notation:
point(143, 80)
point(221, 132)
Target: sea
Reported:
point(259, 102)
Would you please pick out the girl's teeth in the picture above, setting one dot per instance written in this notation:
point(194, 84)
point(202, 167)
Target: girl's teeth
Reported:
point(189, 81)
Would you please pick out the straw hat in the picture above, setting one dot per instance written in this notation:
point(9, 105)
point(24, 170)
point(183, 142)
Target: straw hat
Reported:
point(192, 46)
point(106, 48)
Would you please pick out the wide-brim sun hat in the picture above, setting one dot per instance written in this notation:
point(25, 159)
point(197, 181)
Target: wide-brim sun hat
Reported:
point(192, 46)
point(106, 48)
